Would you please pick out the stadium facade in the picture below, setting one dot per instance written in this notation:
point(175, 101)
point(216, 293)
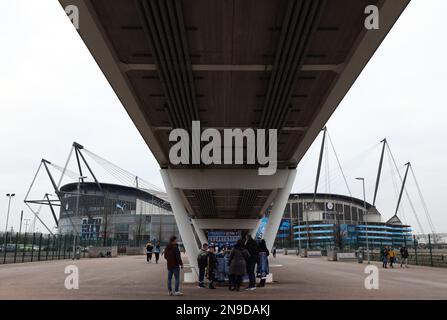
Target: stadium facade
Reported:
point(116, 212)
point(128, 214)
point(332, 220)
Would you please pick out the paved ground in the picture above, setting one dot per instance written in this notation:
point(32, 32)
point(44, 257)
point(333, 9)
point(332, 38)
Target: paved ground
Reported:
point(295, 278)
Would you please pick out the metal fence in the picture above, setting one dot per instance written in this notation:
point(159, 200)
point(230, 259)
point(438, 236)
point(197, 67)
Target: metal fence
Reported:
point(423, 251)
point(29, 247)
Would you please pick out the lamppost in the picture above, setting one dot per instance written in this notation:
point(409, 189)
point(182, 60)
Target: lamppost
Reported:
point(366, 218)
point(81, 180)
point(9, 195)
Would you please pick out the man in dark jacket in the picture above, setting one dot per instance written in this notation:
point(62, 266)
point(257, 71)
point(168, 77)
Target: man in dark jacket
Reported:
point(202, 261)
point(384, 254)
point(252, 248)
point(404, 257)
point(238, 264)
point(263, 263)
point(211, 266)
point(174, 263)
point(149, 248)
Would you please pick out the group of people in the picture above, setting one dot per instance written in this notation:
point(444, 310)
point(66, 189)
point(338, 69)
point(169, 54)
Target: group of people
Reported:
point(150, 249)
point(240, 260)
point(389, 256)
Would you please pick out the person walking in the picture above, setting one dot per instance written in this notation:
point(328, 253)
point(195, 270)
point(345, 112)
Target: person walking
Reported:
point(174, 263)
point(149, 249)
point(262, 263)
point(274, 251)
point(392, 255)
point(211, 266)
point(384, 254)
point(404, 257)
point(157, 252)
point(238, 265)
point(252, 248)
point(202, 261)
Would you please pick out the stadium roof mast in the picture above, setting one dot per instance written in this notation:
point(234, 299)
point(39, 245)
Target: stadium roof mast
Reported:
point(320, 160)
point(408, 164)
point(379, 171)
point(78, 147)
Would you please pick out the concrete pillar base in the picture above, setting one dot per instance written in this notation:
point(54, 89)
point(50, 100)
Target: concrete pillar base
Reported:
point(190, 277)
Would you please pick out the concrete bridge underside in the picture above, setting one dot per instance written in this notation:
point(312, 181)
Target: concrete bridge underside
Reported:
point(271, 64)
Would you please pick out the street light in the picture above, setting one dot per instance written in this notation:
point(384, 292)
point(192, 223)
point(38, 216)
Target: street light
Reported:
point(9, 195)
point(366, 218)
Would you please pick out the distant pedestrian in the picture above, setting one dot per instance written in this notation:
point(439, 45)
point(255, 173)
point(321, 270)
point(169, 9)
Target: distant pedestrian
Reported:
point(384, 255)
point(404, 257)
point(238, 265)
point(149, 249)
point(392, 255)
point(202, 261)
point(157, 252)
point(274, 251)
point(263, 263)
point(252, 247)
point(174, 263)
point(211, 266)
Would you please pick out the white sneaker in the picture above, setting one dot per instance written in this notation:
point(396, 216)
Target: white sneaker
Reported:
point(251, 289)
point(178, 293)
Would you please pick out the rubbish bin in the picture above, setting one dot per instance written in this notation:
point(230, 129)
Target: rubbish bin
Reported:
point(78, 253)
point(359, 256)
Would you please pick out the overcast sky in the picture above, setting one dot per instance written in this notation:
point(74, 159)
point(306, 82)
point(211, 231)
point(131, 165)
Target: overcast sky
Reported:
point(52, 93)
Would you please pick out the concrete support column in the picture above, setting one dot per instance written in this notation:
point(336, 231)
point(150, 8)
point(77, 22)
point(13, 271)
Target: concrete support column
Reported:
point(182, 220)
point(255, 229)
point(200, 232)
point(279, 204)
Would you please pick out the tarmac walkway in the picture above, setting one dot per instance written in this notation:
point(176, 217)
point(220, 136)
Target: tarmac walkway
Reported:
point(131, 277)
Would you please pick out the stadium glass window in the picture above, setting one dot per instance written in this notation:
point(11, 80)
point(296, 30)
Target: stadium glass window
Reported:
point(300, 211)
point(347, 213)
point(354, 214)
point(339, 207)
point(287, 210)
point(295, 210)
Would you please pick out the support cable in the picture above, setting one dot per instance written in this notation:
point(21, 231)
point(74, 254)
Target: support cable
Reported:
point(65, 167)
point(424, 205)
point(339, 164)
point(406, 192)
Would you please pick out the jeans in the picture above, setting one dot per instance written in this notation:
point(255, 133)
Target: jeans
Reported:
point(384, 262)
point(201, 275)
point(176, 273)
point(251, 274)
point(404, 261)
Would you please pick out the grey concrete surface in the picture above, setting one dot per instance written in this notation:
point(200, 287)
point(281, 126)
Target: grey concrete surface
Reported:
point(132, 277)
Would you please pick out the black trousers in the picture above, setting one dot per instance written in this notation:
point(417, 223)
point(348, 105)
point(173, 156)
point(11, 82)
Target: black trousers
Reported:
point(235, 281)
point(157, 256)
point(201, 275)
point(251, 274)
point(148, 256)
